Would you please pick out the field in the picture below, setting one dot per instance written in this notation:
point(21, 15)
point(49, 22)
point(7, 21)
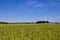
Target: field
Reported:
point(29, 31)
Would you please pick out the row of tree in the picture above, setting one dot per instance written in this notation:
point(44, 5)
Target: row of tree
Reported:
point(25, 22)
point(4, 23)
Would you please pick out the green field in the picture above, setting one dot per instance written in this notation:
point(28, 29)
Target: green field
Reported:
point(29, 31)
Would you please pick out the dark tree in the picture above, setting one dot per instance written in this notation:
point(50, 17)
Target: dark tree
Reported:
point(42, 22)
point(3, 22)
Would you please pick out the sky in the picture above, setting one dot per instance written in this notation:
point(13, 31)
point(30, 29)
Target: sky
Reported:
point(29, 10)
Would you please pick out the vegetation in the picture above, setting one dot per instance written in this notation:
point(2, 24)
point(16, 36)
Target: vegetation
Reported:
point(29, 31)
point(3, 22)
point(30, 22)
point(42, 22)
point(17, 23)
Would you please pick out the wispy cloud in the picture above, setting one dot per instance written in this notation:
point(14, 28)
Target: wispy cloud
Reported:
point(55, 3)
point(31, 4)
point(19, 7)
point(37, 4)
point(34, 4)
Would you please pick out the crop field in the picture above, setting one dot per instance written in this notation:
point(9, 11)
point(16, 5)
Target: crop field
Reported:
point(29, 31)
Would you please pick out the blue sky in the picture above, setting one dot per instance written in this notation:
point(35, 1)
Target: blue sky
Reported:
point(29, 10)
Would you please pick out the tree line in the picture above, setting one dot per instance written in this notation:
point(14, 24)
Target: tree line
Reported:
point(25, 22)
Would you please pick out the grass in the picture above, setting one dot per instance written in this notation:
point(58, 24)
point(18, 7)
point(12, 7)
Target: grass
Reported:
point(29, 31)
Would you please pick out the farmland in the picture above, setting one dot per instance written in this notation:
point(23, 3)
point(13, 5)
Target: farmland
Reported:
point(29, 31)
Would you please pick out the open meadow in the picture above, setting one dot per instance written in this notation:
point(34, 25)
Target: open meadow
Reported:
point(29, 31)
